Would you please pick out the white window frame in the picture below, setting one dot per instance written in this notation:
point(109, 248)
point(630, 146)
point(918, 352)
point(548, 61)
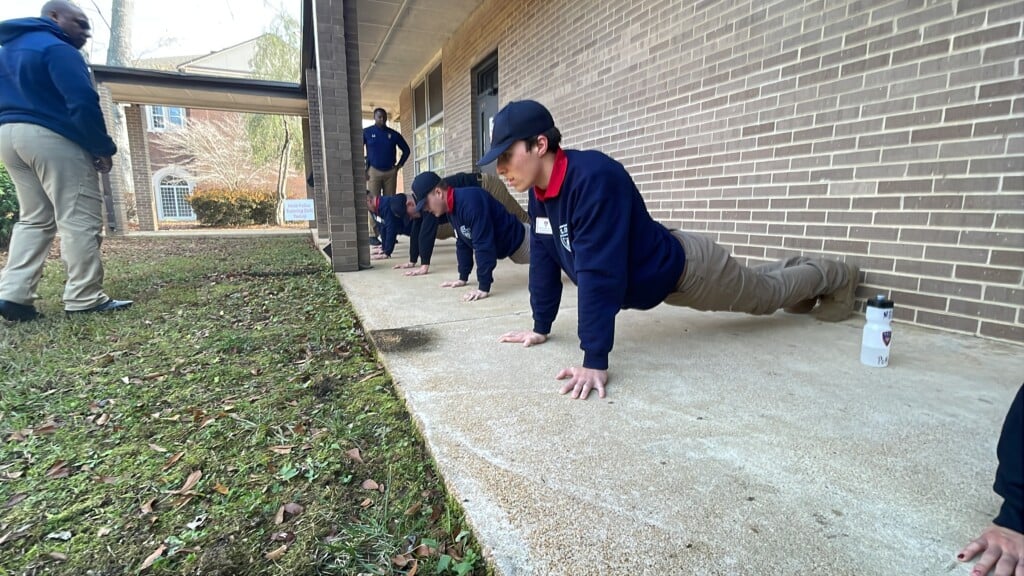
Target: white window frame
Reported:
point(158, 178)
point(158, 117)
point(428, 153)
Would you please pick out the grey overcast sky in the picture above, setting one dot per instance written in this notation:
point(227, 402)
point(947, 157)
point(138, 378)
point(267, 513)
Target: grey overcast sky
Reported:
point(172, 28)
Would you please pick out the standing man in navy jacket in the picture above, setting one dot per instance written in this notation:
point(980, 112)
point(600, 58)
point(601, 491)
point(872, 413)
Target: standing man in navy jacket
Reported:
point(1002, 545)
point(53, 141)
point(380, 143)
point(589, 220)
point(482, 227)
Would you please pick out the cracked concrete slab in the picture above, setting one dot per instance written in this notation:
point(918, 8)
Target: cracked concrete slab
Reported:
point(727, 444)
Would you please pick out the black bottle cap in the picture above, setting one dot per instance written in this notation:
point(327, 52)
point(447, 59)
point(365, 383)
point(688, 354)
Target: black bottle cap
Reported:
point(881, 301)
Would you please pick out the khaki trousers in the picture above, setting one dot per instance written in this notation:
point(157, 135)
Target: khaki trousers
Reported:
point(58, 192)
point(381, 183)
point(714, 281)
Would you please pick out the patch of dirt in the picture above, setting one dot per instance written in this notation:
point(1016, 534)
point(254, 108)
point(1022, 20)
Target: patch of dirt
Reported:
point(400, 339)
point(325, 387)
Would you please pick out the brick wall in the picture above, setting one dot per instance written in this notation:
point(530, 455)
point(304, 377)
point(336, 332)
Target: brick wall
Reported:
point(887, 133)
point(142, 174)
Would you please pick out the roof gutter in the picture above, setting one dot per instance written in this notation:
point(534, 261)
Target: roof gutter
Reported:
point(384, 42)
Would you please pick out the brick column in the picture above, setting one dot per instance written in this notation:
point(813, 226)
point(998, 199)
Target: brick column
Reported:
point(316, 151)
point(142, 174)
point(115, 179)
point(307, 162)
point(341, 128)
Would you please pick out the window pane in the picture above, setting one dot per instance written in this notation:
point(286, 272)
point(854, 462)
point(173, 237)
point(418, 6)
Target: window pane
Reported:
point(437, 162)
point(420, 143)
point(435, 92)
point(436, 136)
point(419, 97)
point(421, 166)
point(176, 116)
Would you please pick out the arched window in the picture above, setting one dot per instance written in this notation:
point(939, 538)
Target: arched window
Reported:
point(173, 191)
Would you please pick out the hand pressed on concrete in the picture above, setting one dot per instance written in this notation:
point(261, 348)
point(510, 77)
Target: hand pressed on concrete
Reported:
point(525, 337)
point(582, 381)
point(474, 295)
point(1001, 549)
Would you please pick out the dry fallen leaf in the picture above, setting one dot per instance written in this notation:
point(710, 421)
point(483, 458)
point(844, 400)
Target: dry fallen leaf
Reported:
point(12, 475)
point(160, 449)
point(58, 556)
point(282, 449)
point(15, 500)
point(366, 503)
point(58, 470)
point(172, 460)
point(299, 429)
point(220, 488)
point(354, 455)
point(414, 509)
point(415, 567)
point(48, 428)
point(276, 555)
point(103, 419)
point(370, 485)
point(18, 435)
point(103, 532)
point(208, 421)
point(286, 537)
point(190, 482)
point(401, 560)
point(147, 507)
point(287, 512)
point(106, 479)
point(152, 557)
point(421, 551)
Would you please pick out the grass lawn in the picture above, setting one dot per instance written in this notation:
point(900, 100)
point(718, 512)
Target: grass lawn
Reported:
point(234, 421)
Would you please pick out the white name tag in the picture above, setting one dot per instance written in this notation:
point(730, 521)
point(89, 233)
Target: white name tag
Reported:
point(543, 226)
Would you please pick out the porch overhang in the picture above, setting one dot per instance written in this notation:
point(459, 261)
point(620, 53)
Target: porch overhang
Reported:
point(135, 86)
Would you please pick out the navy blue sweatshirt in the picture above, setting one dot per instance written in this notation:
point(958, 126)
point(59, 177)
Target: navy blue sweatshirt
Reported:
point(380, 147)
point(1010, 474)
point(482, 226)
point(424, 229)
point(391, 225)
point(45, 81)
point(592, 223)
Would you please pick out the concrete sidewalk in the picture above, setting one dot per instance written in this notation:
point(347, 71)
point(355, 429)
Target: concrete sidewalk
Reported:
point(727, 444)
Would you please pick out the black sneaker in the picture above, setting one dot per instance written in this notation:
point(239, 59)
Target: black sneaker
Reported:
point(108, 306)
point(14, 312)
point(374, 241)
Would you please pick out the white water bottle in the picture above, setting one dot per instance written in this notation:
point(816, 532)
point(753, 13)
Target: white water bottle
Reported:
point(874, 346)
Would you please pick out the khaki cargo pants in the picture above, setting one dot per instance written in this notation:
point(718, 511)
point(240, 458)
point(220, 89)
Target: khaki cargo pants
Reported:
point(380, 183)
point(58, 192)
point(714, 281)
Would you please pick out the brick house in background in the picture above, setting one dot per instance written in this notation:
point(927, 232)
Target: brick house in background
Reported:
point(171, 181)
point(890, 134)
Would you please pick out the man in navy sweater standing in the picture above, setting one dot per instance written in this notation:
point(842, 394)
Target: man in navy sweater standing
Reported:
point(482, 227)
point(1002, 545)
point(53, 142)
point(589, 220)
point(380, 143)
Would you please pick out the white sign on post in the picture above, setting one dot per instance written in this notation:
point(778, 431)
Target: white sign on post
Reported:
point(299, 210)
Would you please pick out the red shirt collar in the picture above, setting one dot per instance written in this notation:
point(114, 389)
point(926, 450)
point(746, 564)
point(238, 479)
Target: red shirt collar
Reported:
point(377, 204)
point(451, 200)
point(557, 177)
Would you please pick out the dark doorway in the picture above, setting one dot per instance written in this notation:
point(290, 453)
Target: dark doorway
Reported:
point(485, 84)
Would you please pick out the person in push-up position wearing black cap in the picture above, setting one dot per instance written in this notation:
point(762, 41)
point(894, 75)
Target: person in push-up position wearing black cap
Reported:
point(589, 220)
point(483, 227)
point(427, 228)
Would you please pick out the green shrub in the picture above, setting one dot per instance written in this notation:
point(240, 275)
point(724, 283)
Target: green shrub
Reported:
point(219, 207)
point(8, 207)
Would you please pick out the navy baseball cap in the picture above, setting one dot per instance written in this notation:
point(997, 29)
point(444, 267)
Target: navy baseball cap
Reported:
point(517, 121)
point(422, 186)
